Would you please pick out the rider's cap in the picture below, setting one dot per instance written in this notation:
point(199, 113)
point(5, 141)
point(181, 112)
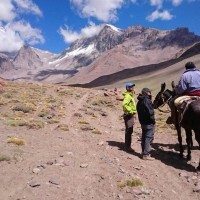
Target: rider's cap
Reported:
point(190, 65)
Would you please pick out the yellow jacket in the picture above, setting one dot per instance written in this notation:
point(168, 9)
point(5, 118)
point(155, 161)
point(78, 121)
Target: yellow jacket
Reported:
point(129, 105)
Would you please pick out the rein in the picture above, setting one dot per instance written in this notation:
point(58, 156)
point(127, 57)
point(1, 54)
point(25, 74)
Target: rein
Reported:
point(166, 102)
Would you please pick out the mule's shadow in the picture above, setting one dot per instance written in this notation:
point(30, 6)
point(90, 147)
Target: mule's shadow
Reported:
point(120, 146)
point(168, 157)
point(171, 158)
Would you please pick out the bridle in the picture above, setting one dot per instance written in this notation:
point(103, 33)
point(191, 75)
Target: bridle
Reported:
point(164, 103)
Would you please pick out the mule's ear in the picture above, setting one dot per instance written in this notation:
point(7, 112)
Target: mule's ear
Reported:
point(163, 85)
point(173, 85)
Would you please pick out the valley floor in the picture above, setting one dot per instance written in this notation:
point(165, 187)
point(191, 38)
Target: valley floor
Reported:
point(77, 152)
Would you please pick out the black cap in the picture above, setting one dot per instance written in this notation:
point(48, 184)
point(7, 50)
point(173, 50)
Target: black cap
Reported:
point(190, 65)
point(146, 91)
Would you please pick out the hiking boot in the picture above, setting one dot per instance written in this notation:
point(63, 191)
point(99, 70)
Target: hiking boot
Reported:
point(147, 157)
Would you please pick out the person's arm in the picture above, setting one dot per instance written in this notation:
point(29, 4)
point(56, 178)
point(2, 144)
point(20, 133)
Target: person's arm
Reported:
point(181, 87)
point(150, 110)
point(125, 103)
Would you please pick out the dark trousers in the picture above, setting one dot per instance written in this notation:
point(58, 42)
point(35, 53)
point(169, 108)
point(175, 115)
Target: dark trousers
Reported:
point(129, 122)
point(147, 138)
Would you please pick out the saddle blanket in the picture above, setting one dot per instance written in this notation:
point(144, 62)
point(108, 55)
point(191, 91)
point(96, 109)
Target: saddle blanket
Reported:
point(182, 101)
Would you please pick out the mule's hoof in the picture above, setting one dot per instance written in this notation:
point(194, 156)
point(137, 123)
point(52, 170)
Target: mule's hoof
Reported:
point(189, 157)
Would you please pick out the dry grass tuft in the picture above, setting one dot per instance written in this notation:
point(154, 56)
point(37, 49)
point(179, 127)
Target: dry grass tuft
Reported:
point(90, 113)
point(97, 132)
point(4, 158)
point(86, 128)
point(104, 102)
point(2, 102)
point(83, 122)
point(23, 108)
point(62, 127)
point(35, 124)
point(77, 115)
point(134, 182)
point(16, 140)
point(16, 122)
point(131, 183)
point(53, 121)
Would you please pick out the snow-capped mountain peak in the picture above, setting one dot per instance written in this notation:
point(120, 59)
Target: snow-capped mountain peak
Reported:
point(114, 28)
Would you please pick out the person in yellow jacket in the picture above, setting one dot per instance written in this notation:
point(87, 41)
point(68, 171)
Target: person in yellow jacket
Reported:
point(129, 108)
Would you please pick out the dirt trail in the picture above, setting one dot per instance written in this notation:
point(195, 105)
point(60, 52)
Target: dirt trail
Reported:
point(87, 161)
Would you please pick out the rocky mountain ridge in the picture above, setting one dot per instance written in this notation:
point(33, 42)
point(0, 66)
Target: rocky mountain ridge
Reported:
point(108, 52)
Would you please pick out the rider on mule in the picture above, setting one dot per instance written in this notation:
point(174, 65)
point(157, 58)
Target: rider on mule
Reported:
point(188, 85)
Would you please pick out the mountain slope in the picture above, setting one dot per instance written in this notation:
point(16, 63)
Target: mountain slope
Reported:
point(109, 51)
point(142, 47)
point(5, 64)
point(154, 73)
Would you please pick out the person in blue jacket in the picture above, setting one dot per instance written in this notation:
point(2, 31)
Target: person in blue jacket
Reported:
point(189, 83)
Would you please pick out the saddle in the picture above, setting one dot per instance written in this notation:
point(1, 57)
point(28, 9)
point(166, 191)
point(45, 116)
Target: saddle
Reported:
point(182, 103)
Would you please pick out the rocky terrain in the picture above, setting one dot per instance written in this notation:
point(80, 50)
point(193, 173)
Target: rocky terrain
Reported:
point(60, 142)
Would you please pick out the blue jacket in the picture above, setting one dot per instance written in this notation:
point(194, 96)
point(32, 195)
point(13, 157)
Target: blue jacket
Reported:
point(189, 81)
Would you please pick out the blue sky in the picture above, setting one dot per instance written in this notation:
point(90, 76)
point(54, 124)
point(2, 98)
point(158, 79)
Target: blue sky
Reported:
point(53, 24)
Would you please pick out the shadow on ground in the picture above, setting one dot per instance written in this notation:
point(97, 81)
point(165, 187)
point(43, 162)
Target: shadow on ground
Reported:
point(168, 157)
point(120, 146)
point(171, 158)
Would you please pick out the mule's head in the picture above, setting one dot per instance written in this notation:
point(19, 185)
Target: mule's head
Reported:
point(162, 97)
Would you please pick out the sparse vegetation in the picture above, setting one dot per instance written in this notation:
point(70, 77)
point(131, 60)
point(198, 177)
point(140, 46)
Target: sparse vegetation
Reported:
point(131, 183)
point(83, 122)
point(62, 127)
point(23, 108)
point(97, 132)
point(35, 124)
point(4, 158)
point(16, 140)
point(77, 115)
point(16, 122)
point(90, 113)
point(53, 121)
point(86, 128)
point(104, 102)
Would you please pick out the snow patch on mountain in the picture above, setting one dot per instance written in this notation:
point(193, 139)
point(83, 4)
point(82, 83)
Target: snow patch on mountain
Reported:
point(114, 28)
point(85, 51)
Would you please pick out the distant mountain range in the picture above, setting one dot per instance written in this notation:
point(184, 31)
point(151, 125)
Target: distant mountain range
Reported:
point(110, 51)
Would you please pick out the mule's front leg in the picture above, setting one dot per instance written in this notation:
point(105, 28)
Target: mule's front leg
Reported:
point(198, 168)
point(188, 140)
point(178, 128)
